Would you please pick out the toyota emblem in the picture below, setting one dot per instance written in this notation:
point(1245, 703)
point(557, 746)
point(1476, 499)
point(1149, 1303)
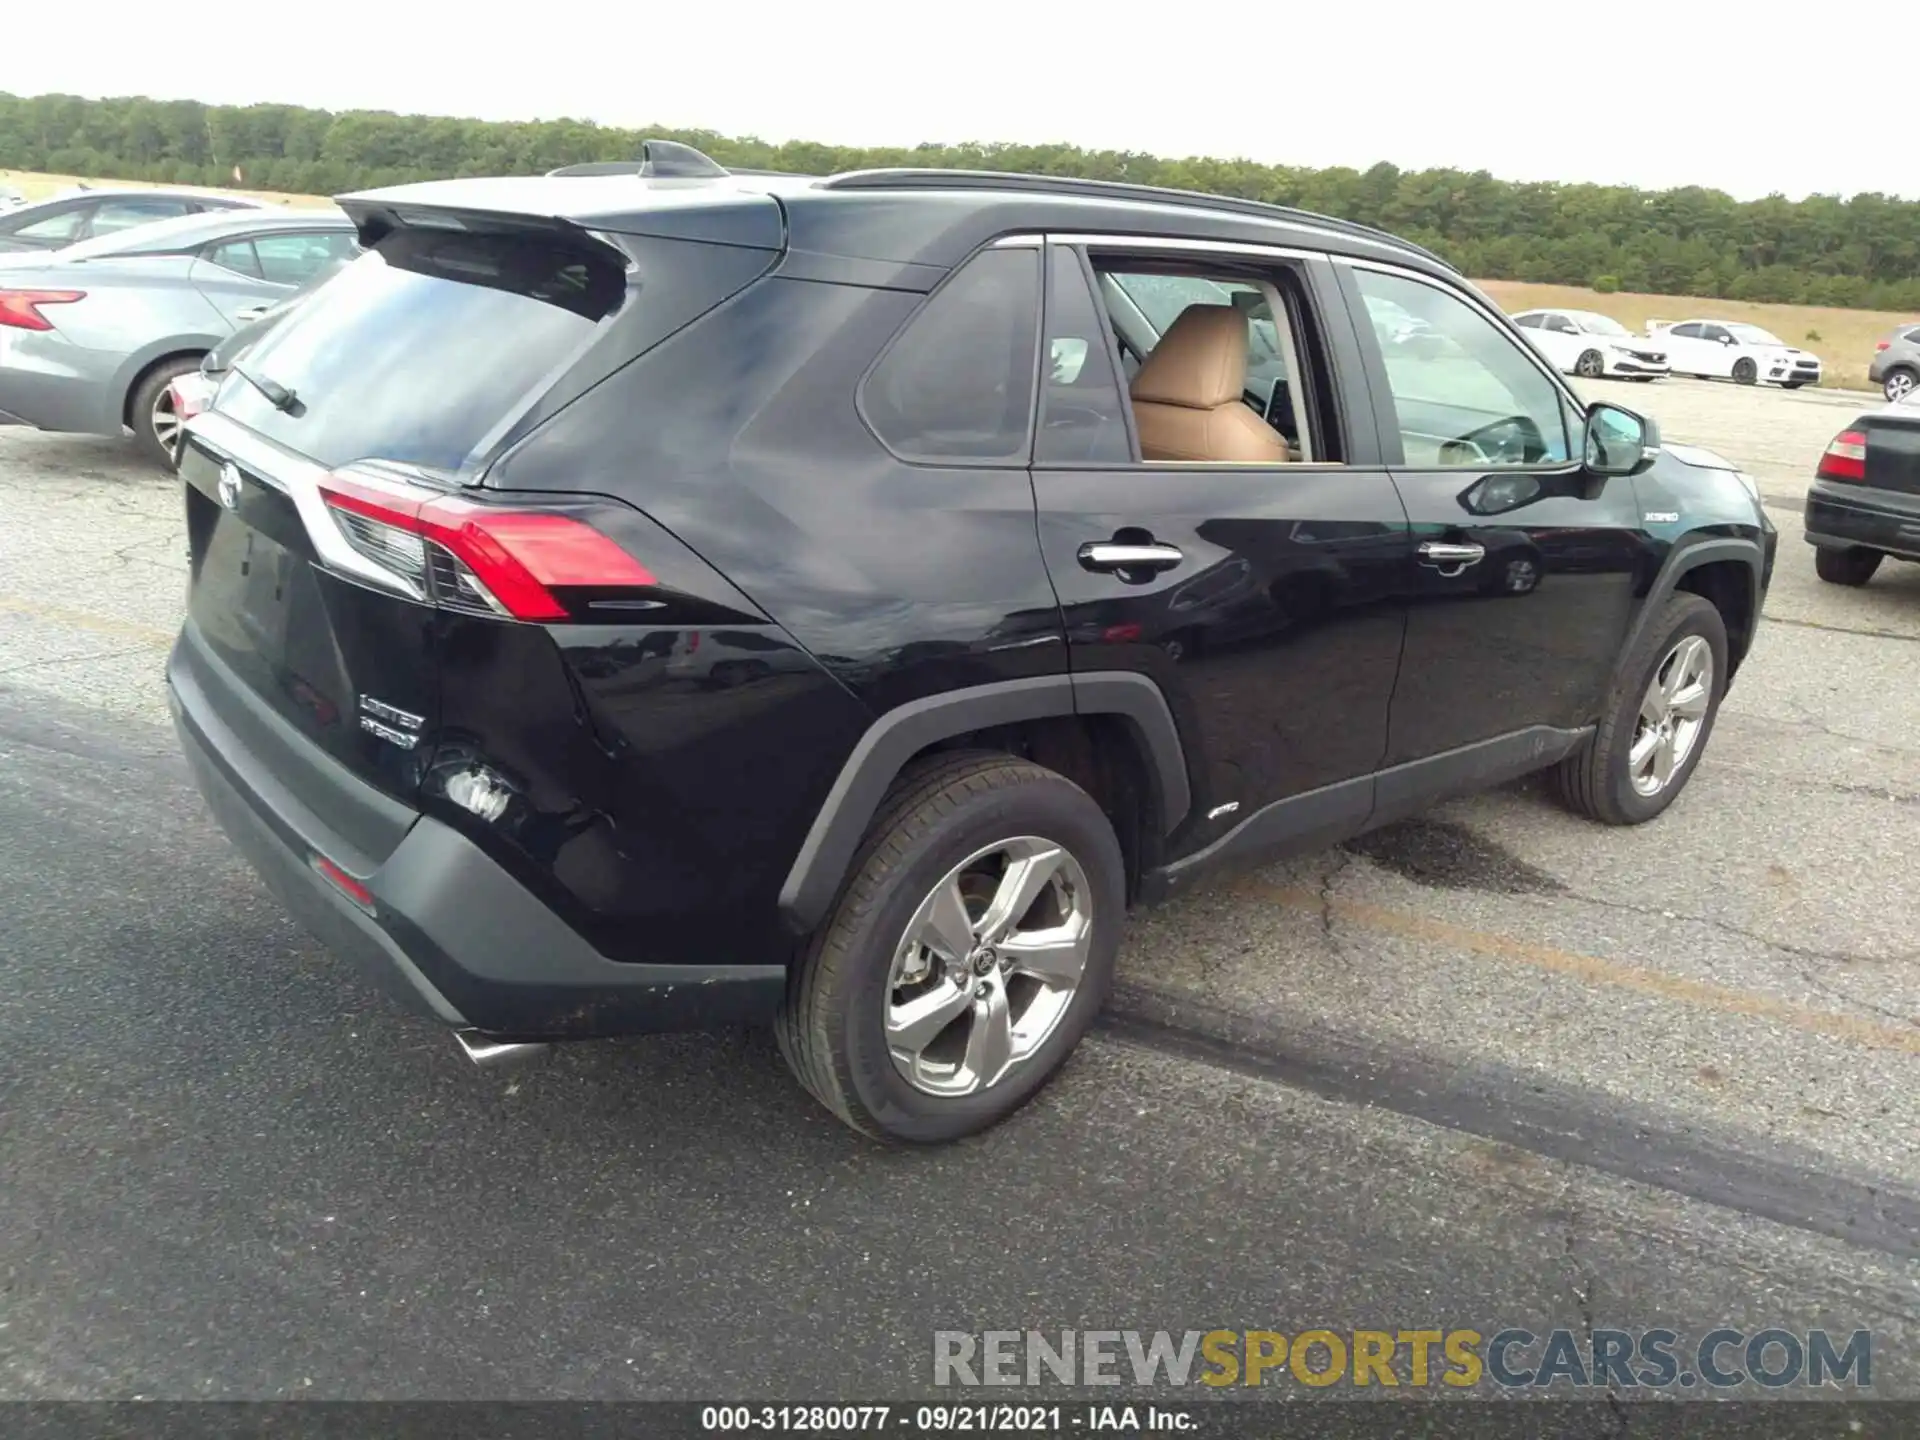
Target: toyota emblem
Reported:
point(230, 485)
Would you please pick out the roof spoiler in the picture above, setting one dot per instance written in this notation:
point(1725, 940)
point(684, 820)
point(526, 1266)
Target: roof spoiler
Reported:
point(659, 159)
point(376, 217)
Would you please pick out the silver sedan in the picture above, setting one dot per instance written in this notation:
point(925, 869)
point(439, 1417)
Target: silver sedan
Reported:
point(91, 336)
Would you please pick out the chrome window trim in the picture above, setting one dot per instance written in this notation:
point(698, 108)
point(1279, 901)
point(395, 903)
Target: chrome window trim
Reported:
point(1180, 244)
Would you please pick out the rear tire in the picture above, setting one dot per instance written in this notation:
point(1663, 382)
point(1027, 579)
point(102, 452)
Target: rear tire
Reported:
point(869, 962)
point(1606, 779)
point(1745, 371)
point(151, 413)
point(1899, 382)
point(1849, 565)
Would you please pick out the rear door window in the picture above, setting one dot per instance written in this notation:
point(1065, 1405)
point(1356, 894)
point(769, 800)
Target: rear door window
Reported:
point(427, 346)
point(294, 259)
point(237, 256)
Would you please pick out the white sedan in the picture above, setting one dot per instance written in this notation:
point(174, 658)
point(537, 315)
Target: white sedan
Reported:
point(1726, 349)
point(1579, 342)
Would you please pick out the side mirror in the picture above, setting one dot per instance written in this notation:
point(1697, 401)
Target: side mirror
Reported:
point(1619, 442)
point(1726, 339)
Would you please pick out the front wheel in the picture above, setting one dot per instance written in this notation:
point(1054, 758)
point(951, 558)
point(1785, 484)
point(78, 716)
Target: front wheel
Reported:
point(1849, 565)
point(1745, 371)
point(967, 955)
point(1590, 365)
point(1658, 719)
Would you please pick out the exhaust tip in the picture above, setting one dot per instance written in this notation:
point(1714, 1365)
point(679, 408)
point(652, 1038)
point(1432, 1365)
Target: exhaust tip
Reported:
point(484, 1051)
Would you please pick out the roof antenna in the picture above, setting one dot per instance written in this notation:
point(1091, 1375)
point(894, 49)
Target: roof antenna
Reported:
point(669, 158)
point(659, 159)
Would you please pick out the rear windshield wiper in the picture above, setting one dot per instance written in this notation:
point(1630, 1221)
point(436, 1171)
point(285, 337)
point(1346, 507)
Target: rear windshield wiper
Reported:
point(278, 395)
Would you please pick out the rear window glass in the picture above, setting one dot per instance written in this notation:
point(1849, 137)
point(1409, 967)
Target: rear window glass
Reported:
point(423, 349)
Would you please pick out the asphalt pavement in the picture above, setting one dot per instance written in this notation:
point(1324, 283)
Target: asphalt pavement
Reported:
point(1496, 1067)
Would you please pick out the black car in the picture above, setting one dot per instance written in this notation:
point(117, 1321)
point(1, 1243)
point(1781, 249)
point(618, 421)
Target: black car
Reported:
point(1864, 503)
point(69, 219)
point(639, 602)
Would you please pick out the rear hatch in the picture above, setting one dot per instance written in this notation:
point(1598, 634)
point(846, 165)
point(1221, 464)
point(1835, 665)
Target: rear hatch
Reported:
point(334, 518)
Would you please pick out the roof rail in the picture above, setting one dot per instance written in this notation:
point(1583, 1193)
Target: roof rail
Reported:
point(910, 179)
point(665, 159)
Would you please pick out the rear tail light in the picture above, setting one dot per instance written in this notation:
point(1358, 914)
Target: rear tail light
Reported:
point(1846, 457)
point(20, 309)
point(481, 559)
point(1883, 345)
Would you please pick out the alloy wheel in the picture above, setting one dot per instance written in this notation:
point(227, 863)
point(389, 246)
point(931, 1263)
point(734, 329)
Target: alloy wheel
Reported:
point(1672, 715)
point(164, 419)
point(988, 966)
point(1899, 385)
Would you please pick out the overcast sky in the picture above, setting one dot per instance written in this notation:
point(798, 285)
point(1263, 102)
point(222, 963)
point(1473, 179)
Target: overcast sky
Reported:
point(1631, 92)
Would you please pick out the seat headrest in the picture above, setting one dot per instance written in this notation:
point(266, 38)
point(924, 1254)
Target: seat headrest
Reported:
point(1200, 363)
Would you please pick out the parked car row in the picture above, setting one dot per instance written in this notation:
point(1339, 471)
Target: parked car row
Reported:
point(1594, 346)
point(93, 334)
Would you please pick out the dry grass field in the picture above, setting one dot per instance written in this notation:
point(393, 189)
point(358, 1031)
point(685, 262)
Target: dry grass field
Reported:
point(1843, 339)
point(36, 186)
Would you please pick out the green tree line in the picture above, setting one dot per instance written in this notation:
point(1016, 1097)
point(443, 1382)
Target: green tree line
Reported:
point(1862, 251)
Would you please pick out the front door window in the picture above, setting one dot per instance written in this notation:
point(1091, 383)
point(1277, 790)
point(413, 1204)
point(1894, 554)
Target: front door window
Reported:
point(1470, 397)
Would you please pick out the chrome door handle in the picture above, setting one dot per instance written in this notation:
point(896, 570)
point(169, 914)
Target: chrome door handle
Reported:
point(252, 312)
point(1114, 555)
point(1449, 558)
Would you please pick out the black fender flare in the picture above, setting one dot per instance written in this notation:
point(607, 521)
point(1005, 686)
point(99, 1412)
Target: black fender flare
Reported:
point(1691, 554)
point(897, 736)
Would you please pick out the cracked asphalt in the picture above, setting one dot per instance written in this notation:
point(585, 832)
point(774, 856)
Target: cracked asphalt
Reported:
point(1493, 1066)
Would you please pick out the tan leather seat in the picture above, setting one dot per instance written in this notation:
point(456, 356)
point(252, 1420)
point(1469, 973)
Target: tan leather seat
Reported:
point(1186, 397)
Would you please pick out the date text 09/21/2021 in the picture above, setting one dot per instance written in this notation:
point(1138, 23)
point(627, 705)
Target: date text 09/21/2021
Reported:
point(961, 1419)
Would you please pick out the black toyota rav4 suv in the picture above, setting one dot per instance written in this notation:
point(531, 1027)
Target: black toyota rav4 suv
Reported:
point(675, 599)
